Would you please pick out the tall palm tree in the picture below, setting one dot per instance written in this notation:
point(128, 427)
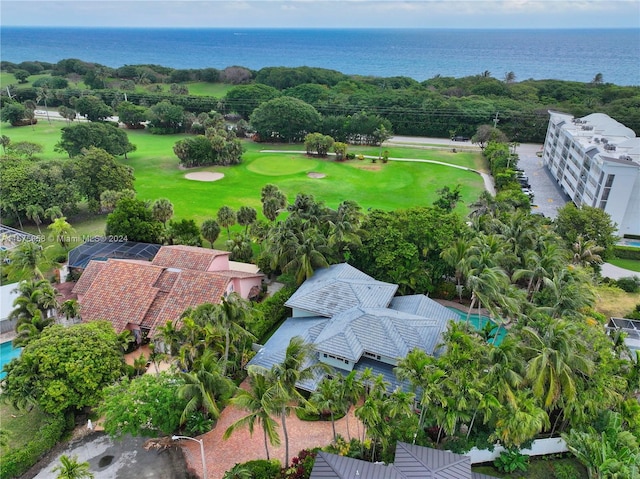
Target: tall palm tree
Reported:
point(352, 391)
point(309, 253)
point(297, 366)
point(210, 230)
point(202, 386)
point(162, 210)
point(516, 424)
point(34, 296)
point(26, 260)
point(62, 231)
point(246, 216)
point(456, 256)
point(328, 397)
point(70, 468)
point(255, 401)
point(233, 314)
point(35, 214)
point(556, 360)
point(226, 218)
point(27, 331)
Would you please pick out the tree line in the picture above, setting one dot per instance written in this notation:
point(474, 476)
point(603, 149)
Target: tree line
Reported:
point(440, 106)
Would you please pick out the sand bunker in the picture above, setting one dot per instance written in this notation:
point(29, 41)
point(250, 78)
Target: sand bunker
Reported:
point(204, 176)
point(316, 175)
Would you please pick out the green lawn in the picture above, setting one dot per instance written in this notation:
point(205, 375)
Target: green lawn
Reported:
point(539, 468)
point(217, 90)
point(373, 185)
point(630, 264)
point(22, 426)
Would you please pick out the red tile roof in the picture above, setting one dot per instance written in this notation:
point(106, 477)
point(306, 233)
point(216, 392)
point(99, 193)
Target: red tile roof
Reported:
point(89, 274)
point(150, 294)
point(121, 293)
point(187, 257)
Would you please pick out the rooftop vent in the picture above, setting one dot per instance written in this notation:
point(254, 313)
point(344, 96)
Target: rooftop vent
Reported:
point(625, 157)
point(610, 147)
point(596, 140)
point(587, 127)
point(604, 141)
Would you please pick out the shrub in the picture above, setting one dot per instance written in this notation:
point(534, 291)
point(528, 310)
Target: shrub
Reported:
point(626, 252)
point(511, 460)
point(198, 423)
point(301, 465)
point(18, 461)
point(263, 469)
point(630, 284)
point(565, 471)
point(272, 312)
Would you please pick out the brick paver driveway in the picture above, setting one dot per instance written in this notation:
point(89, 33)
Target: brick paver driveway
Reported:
point(222, 455)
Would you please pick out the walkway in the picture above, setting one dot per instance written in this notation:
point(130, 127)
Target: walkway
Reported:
point(607, 270)
point(222, 455)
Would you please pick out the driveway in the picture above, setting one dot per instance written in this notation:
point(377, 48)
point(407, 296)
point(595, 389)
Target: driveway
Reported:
point(122, 459)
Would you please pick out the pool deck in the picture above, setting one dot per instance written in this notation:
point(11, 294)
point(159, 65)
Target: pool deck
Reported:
point(462, 307)
point(8, 336)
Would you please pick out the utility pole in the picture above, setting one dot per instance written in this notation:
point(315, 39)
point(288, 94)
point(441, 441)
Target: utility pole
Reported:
point(495, 121)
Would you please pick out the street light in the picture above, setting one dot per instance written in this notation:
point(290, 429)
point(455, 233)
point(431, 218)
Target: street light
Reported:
point(201, 442)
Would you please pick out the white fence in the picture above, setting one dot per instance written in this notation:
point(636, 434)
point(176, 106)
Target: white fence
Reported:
point(539, 447)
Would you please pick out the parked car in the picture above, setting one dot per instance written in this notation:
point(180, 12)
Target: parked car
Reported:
point(459, 138)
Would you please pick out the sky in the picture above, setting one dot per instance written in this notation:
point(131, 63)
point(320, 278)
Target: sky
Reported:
point(324, 14)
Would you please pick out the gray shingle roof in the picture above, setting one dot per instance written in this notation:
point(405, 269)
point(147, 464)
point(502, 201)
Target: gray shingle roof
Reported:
point(411, 462)
point(338, 288)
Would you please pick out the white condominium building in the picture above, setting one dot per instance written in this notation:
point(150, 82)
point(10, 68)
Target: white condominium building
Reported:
point(596, 161)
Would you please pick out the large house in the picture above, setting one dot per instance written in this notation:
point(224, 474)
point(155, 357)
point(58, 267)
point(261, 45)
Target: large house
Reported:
point(411, 462)
point(596, 161)
point(142, 296)
point(355, 322)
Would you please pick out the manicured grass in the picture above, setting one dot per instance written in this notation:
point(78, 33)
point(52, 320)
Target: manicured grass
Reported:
point(630, 264)
point(217, 90)
point(22, 426)
point(387, 186)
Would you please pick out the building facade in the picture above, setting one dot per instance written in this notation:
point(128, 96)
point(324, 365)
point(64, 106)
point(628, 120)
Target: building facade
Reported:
point(596, 162)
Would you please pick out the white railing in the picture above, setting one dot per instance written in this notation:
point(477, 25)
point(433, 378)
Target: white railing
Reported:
point(539, 447)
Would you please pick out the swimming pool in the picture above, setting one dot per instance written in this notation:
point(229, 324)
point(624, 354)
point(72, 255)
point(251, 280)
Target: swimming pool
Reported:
point(629, 242)
point(7, 353)
point(479, 322)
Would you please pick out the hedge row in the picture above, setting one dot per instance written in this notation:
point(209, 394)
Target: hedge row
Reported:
point(17, 462)
point(626, 252)
point(272, 312)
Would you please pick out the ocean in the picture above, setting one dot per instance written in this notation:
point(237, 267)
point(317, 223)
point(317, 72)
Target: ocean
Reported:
point(576, 55)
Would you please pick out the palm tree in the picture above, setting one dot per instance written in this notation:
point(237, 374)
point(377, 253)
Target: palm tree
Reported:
point(62, 231)
point(35, 213)
point(210, 230)
point(297, 366)
point(586, 253)
point(26, 259)
point(246, 216)
point(556, 360)
point(70, 468)
point(44, 94)
point(226, 218)
point(52, 213)
point(516, 424)
point(307, 255)
point(328, 397)
point(202, 386)
point(70, 309)
point(352, 390)
point(456, 257)
point(34, 296)
point(255, 400)
point(27, 331)
point(162, 210)
point(171, 337)
point(232, 314)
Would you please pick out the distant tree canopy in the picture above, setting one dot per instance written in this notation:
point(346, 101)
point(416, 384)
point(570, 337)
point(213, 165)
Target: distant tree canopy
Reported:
point(81, 136)
point(217, 147)
point(285, 119)
point(434, 107)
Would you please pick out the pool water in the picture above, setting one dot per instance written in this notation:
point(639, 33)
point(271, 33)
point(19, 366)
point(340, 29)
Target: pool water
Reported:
point(479, 322)
point(7, 353)
point(630, 242)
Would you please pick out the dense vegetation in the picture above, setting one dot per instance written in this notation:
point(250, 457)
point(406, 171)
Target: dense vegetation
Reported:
point(555, 370)
point(440, 106)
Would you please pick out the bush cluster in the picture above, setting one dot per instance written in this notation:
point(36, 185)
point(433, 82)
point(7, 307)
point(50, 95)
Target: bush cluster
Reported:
point(18, 461)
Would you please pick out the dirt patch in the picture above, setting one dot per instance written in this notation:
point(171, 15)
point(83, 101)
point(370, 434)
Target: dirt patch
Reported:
point(368, 167)
point(313, 174)
point(204, 176)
